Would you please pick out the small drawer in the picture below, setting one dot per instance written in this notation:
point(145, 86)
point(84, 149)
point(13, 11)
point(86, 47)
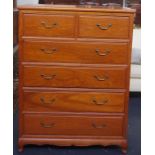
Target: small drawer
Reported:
point(104, 27)
point(48, 25)
point(75, 52)
point(59, 101)
point(74, 77)
point(73, 125)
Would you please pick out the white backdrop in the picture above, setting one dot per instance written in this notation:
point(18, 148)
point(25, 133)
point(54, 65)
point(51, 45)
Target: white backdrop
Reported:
point(23, 2)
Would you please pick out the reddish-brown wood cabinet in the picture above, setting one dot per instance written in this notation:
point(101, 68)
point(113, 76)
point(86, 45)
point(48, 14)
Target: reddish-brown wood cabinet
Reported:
point(74, 66)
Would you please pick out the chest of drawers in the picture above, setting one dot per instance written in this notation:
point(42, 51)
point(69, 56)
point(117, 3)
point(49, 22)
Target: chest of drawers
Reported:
point(74, 67)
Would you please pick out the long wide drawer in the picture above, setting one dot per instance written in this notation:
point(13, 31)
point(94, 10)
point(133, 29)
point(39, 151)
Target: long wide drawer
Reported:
point(48, 25)
point(75, 52)
point(104, 27)
point(61, 101)
point(73, 125)
point(74, 77)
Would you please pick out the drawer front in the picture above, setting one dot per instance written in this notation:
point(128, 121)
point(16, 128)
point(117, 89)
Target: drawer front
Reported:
point(73, 125)
point(104, 27)
point(74, 77)
point(73, 102)
point(49, 25)
point(75, 52)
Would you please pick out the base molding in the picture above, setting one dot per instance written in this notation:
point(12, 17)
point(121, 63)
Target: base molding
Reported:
point(73, 142)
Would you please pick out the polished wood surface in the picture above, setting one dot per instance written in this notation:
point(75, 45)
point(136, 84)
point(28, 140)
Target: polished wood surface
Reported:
point(75, 52)
point(70, 125)
point(76, 8)
point(74, 77)
point(73, 101)
point(74, 67)
point(49, 25)
point(104, 27)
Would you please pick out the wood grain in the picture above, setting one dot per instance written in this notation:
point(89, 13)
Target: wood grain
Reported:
point(71, 91)
point(49, 25)
point(74, 77)
point(57, 125)
point(88, 27)
point(73, 102)
point(75, 52)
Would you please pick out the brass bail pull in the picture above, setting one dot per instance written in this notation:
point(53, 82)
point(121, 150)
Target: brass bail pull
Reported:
point(104, 27)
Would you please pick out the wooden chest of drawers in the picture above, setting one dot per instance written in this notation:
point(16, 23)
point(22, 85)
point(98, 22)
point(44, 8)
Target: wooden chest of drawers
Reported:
point(74, 67)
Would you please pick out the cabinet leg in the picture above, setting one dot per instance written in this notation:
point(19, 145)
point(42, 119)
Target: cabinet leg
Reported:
point(124, 151)
point(20, 147)
point(124, 148)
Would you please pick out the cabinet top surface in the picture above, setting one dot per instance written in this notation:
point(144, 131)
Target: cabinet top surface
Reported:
point(85, 8)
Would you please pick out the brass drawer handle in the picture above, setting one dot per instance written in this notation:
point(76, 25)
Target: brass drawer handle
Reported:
point(47, 125)
point(101, 102)
point(104, 27)
point(106, 52)
point(104, 78)
point(48, 77)
point(98, 126)
point(48, 51)
point(47, 26)
point(50, 101)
